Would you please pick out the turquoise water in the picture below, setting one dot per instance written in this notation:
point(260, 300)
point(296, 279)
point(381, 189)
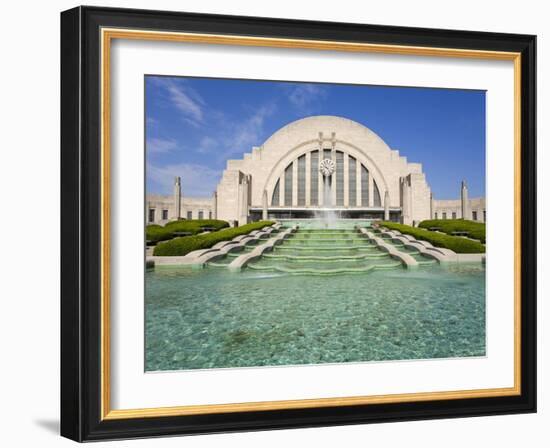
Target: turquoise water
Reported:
point(321, 297)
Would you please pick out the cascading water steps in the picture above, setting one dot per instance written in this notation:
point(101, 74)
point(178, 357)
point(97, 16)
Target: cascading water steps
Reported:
point(419, 257)
point(225, 261)
point(324, 251)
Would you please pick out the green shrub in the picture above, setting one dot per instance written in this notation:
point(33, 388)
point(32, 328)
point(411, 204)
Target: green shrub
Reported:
point(183, 245)
point(156, 233)
point(195, 225)
point(455, 243)
point(476, 230)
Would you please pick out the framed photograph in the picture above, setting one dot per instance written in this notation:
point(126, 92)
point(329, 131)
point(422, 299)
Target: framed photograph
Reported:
point(276, 224)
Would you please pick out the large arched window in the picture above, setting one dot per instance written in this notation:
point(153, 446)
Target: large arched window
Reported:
point(364, 186)
point(377, 201)
point(275, 197)
point(352, 181)
point(302, 178)
point(289, 178)
point(301, 181)
point(314, 178)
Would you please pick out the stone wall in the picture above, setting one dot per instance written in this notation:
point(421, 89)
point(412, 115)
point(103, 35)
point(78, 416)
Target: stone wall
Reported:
point(161, 203)
point(444, 209)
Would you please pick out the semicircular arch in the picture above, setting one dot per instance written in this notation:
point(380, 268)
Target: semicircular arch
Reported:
point(312, 145)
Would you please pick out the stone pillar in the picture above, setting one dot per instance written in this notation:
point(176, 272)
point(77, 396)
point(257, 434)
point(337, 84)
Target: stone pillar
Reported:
point(239, 201)
point(334, 175)
point(410, 200)
point(465, 204)
point(386, 206)
point(406, 201)
point(264, 205)
point(244, 187)
point(321, 182)
point(320, 177)
point(248, 186)
point(215, 205)
point(177, 197)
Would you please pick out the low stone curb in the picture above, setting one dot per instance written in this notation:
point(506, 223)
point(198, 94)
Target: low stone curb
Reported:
point(442, 254)
point(201, 256)
point(240, 262)
point(405, 258)
point(427, 251)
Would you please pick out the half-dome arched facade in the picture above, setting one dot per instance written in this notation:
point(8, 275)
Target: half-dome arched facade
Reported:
point(316, 164)
point(319, 163)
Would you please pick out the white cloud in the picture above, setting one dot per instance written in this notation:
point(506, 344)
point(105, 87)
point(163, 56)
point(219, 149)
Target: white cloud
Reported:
point(305, 96)
point(207, 144)
point(160, 145)
point(185, 99)
point(221, 139)
point(197, 180)
point(243, 135)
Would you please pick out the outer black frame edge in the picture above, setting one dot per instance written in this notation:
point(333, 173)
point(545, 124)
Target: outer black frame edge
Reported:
point(80, 229)
point(71, 384)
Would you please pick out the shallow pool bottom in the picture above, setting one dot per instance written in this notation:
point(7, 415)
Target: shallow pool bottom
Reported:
point(211, 318)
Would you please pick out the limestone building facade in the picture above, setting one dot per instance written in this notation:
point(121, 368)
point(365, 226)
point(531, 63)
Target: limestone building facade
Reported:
point(316, 164)
point(161, 209)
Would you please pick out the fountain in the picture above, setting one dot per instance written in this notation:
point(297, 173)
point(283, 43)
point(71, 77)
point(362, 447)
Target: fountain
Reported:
point(327, 216)
point(328, 247)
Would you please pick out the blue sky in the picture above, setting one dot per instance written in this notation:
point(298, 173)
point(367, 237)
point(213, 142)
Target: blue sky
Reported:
point(193, 125)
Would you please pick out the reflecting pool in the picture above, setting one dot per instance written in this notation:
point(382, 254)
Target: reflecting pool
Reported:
point(311, 302)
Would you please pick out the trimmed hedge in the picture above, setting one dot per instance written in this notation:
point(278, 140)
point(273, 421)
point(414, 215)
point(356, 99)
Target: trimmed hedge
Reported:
point(476, 230)
point(195, 225)
point(185, 244)
point(455, 243)
point(156, 233)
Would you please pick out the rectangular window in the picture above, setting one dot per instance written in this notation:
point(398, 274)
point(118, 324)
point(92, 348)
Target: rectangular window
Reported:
point(339, 178)
point(435, 215)
point(474, 215)
point(189, 214)
point(201, 214)
point(288, 185)
point(364, 187)
point(454, 215)
point(484, 216)
point(165, 215)
point(151, 215)
point(302, 180)
point(314, 188)
point(210, 215)
point(352, 177)
point(444, 215)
